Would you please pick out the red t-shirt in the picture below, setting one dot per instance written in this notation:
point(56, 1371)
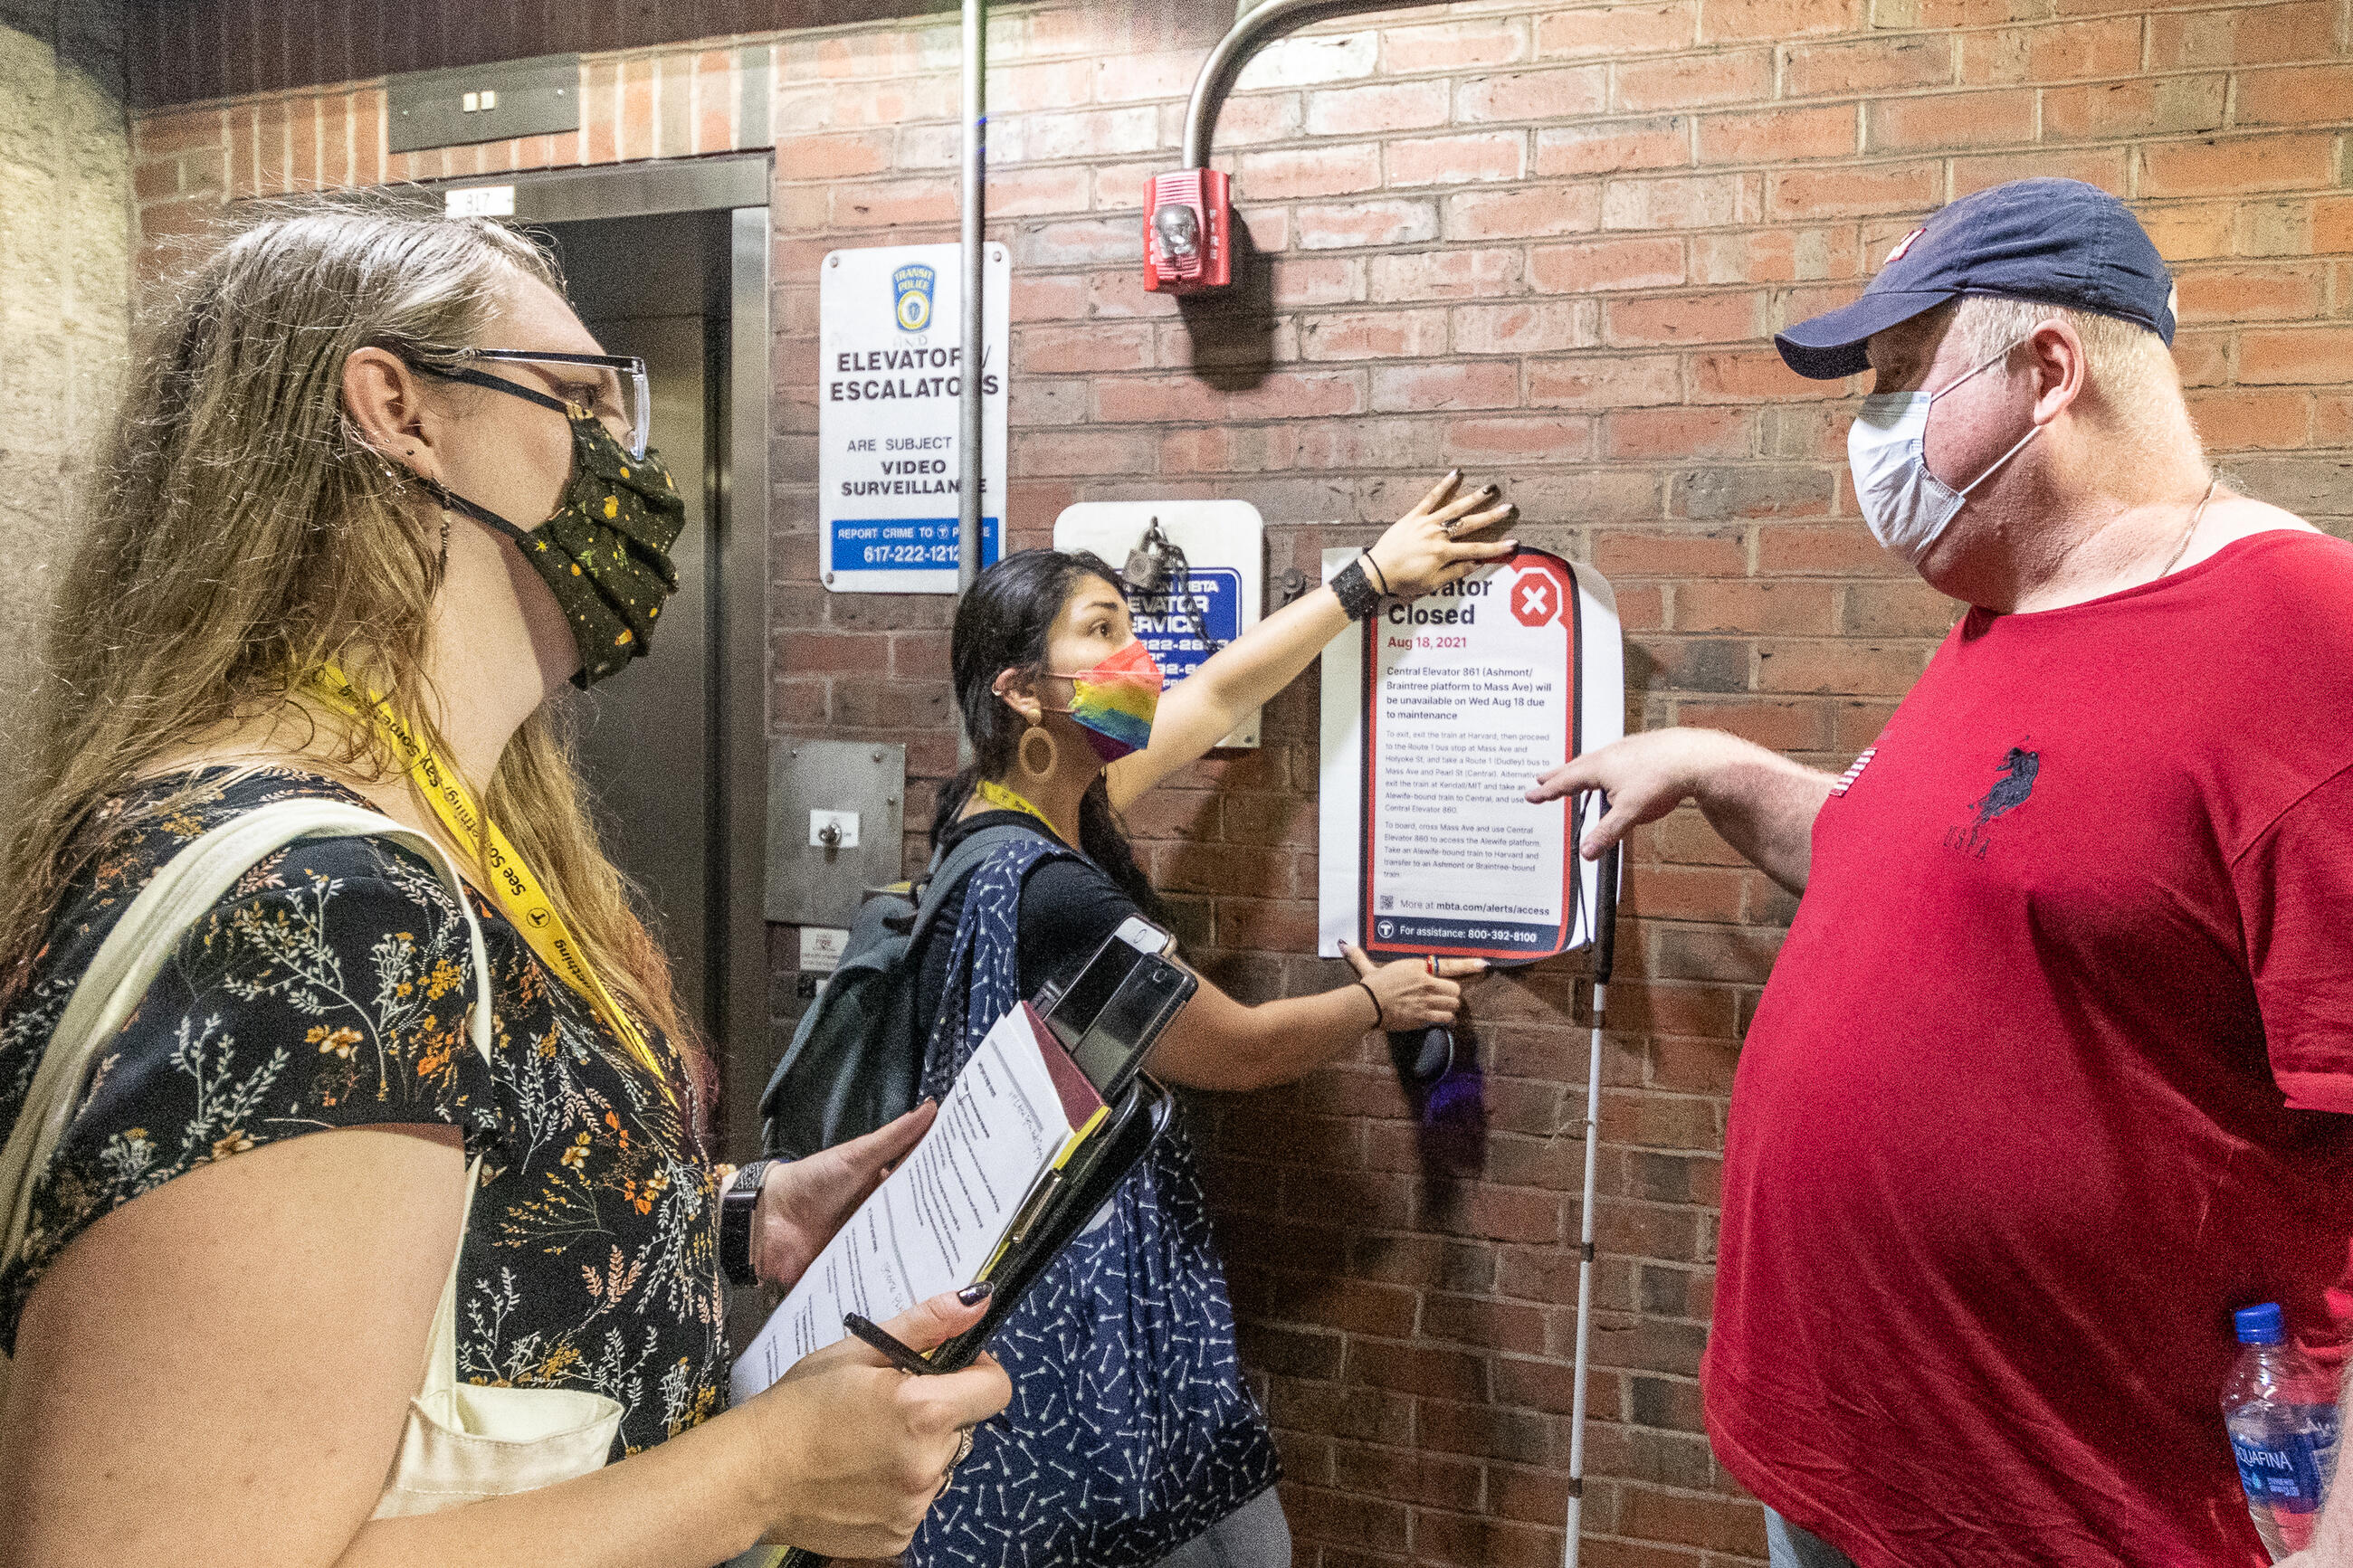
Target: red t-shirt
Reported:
point(2051, 1076)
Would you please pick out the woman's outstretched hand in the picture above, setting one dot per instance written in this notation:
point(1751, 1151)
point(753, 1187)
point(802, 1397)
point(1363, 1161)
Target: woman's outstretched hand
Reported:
point(1425, 548)
point(856, 1449)
point(1412, 996)
point(803, 1202)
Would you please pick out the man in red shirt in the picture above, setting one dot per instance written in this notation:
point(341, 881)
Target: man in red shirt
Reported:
point(2054, 1068)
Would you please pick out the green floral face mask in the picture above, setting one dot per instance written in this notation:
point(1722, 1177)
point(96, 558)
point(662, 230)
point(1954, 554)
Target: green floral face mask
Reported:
point(605, 552)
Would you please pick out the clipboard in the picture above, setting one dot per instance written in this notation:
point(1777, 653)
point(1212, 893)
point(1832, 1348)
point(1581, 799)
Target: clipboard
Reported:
point(1108, 1018)
point(1065, 1208)
point(1101, 1163)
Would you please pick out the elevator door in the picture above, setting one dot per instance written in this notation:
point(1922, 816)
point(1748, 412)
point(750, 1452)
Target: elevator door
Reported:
point(649, 735)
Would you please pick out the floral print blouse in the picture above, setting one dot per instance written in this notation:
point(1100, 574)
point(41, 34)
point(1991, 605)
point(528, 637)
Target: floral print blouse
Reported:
point(330, 988)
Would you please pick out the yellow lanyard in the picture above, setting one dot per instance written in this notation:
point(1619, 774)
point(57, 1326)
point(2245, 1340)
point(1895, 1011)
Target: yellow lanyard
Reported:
point(516, 891)
point(1004, 799)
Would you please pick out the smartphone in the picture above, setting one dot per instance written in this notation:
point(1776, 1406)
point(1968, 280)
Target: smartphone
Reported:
point(1112, 1010)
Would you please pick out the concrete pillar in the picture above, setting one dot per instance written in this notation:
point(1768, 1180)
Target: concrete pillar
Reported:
point(65, 293)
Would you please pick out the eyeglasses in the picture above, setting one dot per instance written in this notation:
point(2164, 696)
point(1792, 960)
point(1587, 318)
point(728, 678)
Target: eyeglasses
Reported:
point(612, 388)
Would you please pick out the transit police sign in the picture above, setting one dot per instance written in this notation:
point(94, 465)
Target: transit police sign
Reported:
point(913, 282)
point(890, 378)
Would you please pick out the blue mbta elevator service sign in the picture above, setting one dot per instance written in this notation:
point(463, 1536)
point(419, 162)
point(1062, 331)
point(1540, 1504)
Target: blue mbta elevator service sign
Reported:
point(1172, 621)
point(1197, 609)
point(889, 390)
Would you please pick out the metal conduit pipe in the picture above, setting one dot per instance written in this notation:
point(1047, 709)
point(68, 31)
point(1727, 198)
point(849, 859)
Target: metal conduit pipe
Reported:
point(1251, 34)
point(970, 479)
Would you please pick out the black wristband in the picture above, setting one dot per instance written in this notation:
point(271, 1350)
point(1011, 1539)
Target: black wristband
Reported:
point(738, 1206)
point(1356, 591)
point(1380, 1017)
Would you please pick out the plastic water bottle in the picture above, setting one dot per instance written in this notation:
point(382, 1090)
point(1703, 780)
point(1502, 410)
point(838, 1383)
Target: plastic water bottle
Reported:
point(2281, 1411)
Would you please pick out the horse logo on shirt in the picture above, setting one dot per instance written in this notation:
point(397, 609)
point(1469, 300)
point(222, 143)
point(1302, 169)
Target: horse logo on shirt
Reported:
point(2020, 768)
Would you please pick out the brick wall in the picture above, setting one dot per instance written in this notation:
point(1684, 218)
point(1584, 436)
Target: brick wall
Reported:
point(65, 249)
point(1550, 245)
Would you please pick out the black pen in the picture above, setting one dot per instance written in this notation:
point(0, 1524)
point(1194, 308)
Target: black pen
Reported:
point(882, 1339)
point(905, 1360)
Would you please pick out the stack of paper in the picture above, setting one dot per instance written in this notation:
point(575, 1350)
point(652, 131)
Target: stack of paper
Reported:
point(1016, 1114)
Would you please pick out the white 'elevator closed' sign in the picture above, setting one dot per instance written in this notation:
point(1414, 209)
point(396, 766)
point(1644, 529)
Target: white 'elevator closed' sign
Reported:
point(890, 381)
point(1438, 713)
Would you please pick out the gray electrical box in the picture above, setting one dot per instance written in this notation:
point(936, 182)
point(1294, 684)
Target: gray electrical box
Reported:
point(536, 97)
point(836, 811)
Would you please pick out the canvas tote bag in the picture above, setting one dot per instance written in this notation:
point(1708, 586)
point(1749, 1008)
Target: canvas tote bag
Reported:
point(461, 1443)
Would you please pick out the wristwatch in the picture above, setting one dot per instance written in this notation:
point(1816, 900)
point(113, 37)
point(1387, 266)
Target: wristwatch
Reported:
point(738, 1204)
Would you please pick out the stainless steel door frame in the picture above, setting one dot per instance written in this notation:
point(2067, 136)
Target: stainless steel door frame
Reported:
point(738, 185)
point(743, 680)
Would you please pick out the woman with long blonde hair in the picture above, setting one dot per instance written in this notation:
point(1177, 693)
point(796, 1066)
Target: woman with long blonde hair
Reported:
point(375, 494)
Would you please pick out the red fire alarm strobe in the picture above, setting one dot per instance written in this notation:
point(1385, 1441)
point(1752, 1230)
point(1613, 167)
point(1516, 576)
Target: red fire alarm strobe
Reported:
point(1188, 232)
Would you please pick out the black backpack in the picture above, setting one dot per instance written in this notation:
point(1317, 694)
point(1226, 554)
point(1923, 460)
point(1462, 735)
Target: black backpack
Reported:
point(857, 1058)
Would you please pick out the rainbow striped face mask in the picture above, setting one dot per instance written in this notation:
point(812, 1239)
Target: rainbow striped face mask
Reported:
point(1114, 701)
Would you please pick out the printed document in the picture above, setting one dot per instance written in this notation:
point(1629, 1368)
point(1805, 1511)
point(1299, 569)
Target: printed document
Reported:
point(935, 1222)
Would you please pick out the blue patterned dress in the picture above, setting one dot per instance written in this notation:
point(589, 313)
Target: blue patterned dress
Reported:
point(1130, 1432)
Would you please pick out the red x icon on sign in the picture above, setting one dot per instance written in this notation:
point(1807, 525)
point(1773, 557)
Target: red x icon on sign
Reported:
point(1533, 601)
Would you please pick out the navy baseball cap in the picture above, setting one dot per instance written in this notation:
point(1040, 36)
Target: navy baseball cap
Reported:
point(2060, 242)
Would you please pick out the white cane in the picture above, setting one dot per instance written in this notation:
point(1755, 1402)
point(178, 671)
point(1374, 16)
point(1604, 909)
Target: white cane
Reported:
point(1604, 948)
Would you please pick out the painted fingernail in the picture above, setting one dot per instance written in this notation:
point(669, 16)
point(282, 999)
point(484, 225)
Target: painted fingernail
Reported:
point(1493, 490)
point(973, 1295)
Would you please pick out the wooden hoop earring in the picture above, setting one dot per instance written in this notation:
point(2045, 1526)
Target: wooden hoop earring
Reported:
point(1038, 770)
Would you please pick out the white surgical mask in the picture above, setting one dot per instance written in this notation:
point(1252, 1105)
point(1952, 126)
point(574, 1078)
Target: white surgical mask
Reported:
point(1908, 508)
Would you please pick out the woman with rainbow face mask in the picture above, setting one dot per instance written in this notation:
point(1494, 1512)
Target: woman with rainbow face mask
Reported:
point(1131, 1440)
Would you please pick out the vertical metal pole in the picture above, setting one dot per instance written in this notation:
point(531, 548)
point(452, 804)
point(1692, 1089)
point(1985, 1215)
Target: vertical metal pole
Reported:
point(1605, 952)
point(975, 187)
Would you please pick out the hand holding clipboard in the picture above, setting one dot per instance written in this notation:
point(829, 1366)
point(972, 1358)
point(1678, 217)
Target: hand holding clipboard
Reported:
point(1107, 1019)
